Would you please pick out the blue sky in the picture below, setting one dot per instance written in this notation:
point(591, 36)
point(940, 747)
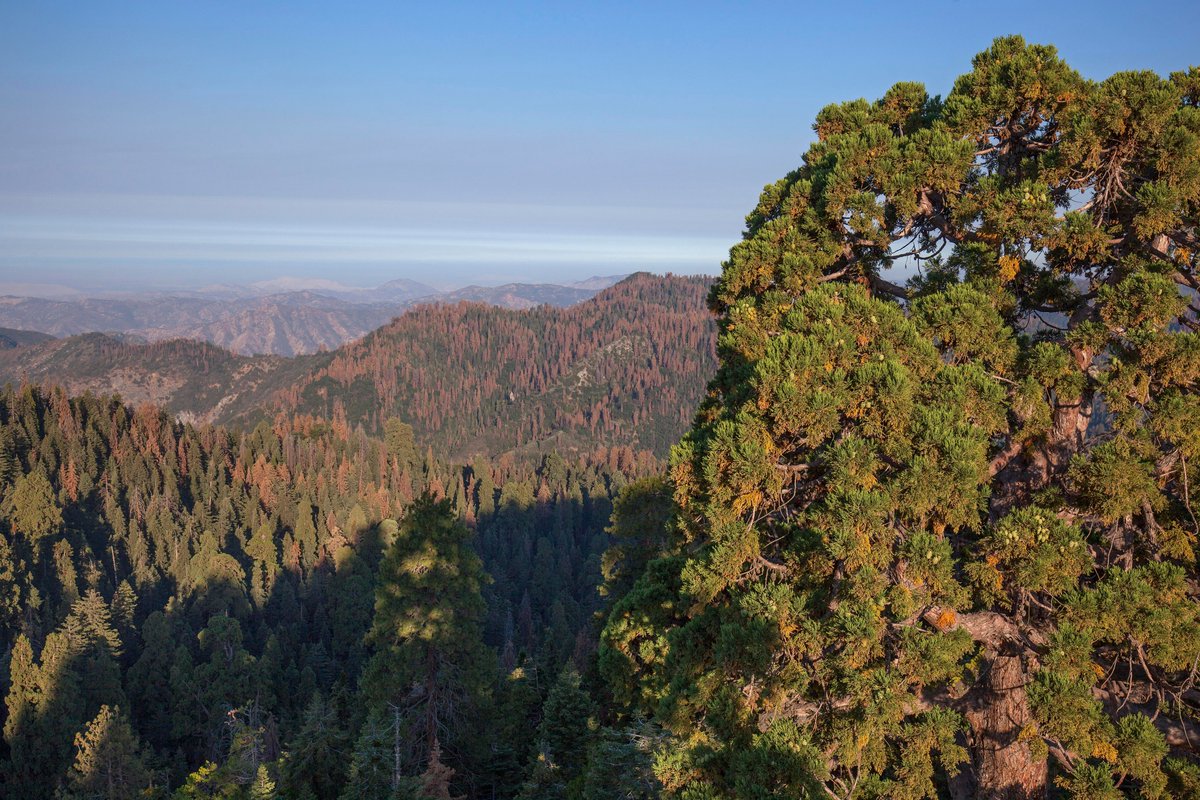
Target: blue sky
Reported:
point(187, 143)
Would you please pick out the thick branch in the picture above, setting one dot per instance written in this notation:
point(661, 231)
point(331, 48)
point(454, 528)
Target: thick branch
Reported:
point(988, 628)
point(1179, 733)
point(881, 286)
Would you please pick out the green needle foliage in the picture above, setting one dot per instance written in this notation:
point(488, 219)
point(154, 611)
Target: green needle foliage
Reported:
point(937, 539)
point(430, 669)
point(108, 761)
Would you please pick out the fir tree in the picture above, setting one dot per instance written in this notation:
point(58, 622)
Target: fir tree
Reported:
point(429, 661)
point(563, 738)
point(372, 774)
point(32, 508)
point(108, 761)
point(316, 761)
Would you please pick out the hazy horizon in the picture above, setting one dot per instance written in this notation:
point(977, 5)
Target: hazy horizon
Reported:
point(171, 146)
point(275, 285)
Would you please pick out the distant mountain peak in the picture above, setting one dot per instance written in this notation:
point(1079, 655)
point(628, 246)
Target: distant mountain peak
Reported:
point(598, 282)
point(294, 284)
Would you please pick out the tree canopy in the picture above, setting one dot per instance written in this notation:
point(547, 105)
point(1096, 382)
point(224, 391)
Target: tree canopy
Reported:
point(936, 535)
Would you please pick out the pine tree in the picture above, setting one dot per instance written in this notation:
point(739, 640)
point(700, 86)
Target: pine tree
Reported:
point(430, 661)
point(316, 760)
point(263, 787)
point(512, 728)
point(563, 738)
point(11, 582)
point(124, 607)
point(306, 533)
point(956, 511)
point(22, 699)
point(372, 774)
point(485, 491)
point(108, 761)
point(32, 508)
point(217, 685)
point(620, 765)
point(640, 521)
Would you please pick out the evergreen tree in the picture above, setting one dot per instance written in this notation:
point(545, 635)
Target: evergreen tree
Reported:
point(263, 787)
point(372, 774)
point(640, 520)
point(11, 581)
point(512, 728)
point(217, 685)
point(148, 680)
point(32, 508)
point(430, 661)
point(956, 512)
point(620, 765)
point(316, 761)
point(563, 738)
point(108, 761)
point(21, 703)
point(306, 533)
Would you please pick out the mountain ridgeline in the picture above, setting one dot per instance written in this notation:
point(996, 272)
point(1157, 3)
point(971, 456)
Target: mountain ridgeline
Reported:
point(286, 316)
point(627, 367)
point(624, 368)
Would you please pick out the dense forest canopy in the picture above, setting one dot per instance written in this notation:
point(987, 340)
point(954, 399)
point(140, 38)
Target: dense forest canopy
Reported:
point(197, 607)
point(938, 539)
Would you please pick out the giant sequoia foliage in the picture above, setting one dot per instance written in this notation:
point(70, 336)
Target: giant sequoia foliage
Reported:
point(938, 539)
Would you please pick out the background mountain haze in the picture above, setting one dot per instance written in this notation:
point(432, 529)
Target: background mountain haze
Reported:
point(172, 146)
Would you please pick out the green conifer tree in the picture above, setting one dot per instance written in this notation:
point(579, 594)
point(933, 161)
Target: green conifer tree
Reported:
point(429, 659)
point(563, 738)
point(958, 512)
point(109, 762)
point(317, 757)
point(32, 508)
point(263, 787)
point(372, 774)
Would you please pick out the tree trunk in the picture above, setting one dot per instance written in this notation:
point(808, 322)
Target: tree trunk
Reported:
point(1005, 768)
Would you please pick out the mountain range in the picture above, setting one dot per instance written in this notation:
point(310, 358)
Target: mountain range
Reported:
point(625, 367)
point(285, 316)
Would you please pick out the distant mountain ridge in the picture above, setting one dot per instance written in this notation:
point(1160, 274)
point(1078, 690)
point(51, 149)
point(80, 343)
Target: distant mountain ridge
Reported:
point(626, 367)
point(12, 337)
point(286, 316)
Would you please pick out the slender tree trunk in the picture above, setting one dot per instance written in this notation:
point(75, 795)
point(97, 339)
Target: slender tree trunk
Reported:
point(1005, 766)
point(396, 773)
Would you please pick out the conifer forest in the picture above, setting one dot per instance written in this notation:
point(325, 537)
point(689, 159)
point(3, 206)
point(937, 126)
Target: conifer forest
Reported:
point(904, 504)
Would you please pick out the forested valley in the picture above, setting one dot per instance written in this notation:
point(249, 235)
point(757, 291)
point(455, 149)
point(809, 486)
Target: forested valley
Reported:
point(226, 612)
point(928, 531)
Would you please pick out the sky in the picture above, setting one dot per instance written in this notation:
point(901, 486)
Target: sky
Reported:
point(194, 142)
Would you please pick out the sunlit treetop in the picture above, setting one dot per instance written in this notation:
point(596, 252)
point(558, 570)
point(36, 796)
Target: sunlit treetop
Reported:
point(936, 534)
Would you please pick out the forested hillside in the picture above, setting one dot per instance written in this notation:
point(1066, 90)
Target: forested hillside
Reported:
point(183, 605)
point(279, 317)
point(627, 367)
point(920, 535)
point(12, 337)
point(195, 380)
